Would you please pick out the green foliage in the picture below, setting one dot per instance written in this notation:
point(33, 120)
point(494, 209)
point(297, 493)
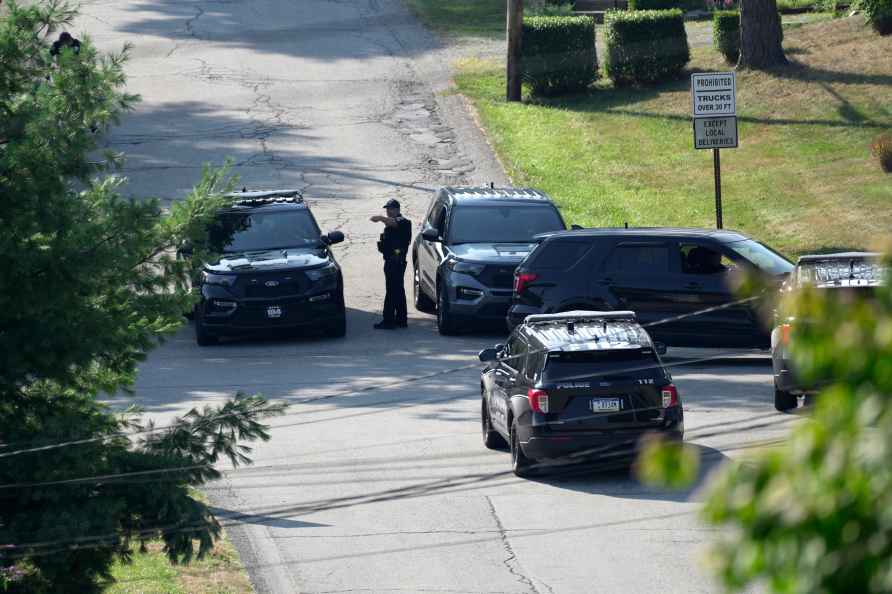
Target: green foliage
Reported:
point(548, 8)
point(559, 54)
point(645, 46)
point(812, 515)
point(91, 283)
point(726, 34)
point(879, 14)
point(668, 463)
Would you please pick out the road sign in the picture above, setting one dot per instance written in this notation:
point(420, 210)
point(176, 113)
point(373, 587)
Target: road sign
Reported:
point(714, 94)
point(715, 133)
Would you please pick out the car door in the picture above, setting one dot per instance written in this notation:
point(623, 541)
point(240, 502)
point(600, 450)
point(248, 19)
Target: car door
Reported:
point(505, 380)
point(704, 273)
point(635, 276)
point(430, 253)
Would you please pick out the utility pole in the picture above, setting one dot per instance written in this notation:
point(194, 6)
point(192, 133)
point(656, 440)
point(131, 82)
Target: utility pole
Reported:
point(515, 40)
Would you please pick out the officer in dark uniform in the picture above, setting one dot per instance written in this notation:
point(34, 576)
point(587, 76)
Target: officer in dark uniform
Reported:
point(394, 245)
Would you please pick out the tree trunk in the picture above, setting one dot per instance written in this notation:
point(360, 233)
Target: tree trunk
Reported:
point(515, 33)
point(760, 35)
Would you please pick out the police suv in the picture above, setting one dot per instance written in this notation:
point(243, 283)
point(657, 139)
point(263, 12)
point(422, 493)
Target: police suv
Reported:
point(276, 270)
point(576, 385)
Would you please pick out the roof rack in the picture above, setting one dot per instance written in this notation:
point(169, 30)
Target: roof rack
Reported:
point(581, 316)
point(838, 256)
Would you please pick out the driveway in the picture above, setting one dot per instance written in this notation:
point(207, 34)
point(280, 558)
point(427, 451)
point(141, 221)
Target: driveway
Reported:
point(377, 480)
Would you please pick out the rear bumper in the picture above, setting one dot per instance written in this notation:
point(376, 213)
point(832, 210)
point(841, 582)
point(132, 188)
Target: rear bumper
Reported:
point(539, 443)
point(518, 313)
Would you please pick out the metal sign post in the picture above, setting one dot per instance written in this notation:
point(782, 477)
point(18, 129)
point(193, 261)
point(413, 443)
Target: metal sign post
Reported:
point(714, 106)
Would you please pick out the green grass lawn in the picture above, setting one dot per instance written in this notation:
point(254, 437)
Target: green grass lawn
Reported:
point(474, 18)
point(803, 178)
point(220, 572)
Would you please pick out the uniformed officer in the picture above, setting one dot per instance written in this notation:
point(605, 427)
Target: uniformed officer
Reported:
point(394, 245)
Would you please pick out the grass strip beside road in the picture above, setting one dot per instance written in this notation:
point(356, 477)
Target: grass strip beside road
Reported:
point(220, 572)
point(803, 178)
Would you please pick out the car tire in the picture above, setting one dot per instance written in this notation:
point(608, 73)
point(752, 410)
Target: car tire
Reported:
point(445, 322)
point(784, 401)
point(520, 464)
point(423, 303)
point(338, 328)
point(202, 337)
point(491, 437)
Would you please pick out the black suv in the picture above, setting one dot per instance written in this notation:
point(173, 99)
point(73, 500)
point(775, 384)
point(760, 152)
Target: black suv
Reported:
point(673, 279)
point(580, 384)
point(849, 273)
point(470, 242)
point(276, 270)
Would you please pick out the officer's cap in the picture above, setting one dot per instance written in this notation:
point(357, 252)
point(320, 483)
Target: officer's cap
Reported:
point(392, 203)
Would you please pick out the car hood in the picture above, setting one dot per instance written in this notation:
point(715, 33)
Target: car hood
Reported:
point(268, 260)
point(492, 252)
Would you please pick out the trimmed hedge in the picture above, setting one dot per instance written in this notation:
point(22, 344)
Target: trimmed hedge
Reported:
point(645, 46)
point(726, 34)
point(559, 54)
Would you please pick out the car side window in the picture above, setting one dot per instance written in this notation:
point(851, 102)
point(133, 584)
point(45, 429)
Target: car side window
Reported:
point(559, 255)
point(517, 349)
point(638, 259)
point(439, 222)
point(703, 259)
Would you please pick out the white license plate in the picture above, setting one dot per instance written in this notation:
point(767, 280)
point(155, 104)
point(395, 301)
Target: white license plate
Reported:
point(273, 311)
point(606, 404)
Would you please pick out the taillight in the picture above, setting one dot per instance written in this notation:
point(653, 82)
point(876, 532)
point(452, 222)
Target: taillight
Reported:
point(786, 330)
point(538, 400)
point(522, 280)
point(670, 395)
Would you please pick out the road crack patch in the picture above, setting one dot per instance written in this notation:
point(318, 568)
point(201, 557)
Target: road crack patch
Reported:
point(510, 561)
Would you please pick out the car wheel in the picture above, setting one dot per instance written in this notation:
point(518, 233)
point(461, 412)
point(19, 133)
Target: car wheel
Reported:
point(491, 437)
point(445, 322)
point(784, 401)
point(202, 337)
point(338, 328)
point(520, 464)
point(423, 303)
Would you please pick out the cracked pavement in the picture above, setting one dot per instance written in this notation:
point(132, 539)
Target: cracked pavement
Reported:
point(373, 483)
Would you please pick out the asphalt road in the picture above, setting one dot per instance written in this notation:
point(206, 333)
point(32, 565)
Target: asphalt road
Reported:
point(377, 480)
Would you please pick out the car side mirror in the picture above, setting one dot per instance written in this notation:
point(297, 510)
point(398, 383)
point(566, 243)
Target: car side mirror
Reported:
point(660, 348)
point(333, 238)
point(488, 355)
point(430, 234)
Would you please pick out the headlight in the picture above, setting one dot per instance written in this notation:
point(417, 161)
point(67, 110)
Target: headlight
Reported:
point(211, 278)
point(465, 267)
point(318, 274)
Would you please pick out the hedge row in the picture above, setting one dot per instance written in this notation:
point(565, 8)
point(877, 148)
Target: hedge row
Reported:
point(559, 54)
point(645, 46)
point(726, 34)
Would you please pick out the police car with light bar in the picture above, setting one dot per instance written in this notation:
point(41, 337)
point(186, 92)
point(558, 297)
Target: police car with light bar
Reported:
point(579, 385)
point(856, 275)
point(276, 270)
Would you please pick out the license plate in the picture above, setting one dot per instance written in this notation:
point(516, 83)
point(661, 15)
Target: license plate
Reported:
point(606, 404)
point(273, 311)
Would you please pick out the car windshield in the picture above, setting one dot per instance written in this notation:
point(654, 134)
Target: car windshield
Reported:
point(502, 224)
point(250, 232)
point(762, 257)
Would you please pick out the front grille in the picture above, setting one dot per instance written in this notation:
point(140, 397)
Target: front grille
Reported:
point(272, 286)
point(498, 276)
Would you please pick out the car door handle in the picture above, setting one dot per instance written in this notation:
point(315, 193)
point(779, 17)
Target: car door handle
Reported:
point(605, 281)
point(693, 286)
